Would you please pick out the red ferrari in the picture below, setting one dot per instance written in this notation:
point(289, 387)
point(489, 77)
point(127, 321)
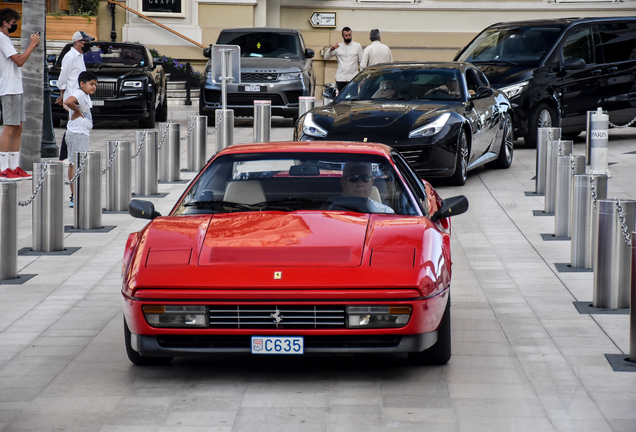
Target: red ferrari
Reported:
point(293, 248)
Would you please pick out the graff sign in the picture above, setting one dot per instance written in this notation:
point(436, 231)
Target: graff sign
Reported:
point(163, 6)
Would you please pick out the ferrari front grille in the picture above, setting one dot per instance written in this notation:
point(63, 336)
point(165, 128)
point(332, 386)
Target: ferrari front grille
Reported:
point(273, 316)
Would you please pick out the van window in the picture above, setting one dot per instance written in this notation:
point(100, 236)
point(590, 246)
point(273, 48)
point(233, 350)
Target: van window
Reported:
point(618, 41)
point(579, 44)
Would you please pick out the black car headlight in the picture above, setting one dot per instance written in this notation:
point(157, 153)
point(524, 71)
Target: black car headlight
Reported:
point(431, 128)
point(133, 85)
point(311, 128)
point(53, 83)
point(515, 89)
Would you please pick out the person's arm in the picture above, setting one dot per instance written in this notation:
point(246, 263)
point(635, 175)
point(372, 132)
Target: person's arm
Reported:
point(62, 79)
point(73, 104)
point(365, 59)
point(331, 53)
point(359, 54)
point(20, 59)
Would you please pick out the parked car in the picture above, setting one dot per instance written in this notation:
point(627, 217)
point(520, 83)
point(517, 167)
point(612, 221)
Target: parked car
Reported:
point(131, 84)
point(275, 66)
point(292, 248)
point(556, 70)
point(442, 132)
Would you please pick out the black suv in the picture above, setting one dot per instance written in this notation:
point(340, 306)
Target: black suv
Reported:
point(275, 65)
point(131, 84)
point(556, 70)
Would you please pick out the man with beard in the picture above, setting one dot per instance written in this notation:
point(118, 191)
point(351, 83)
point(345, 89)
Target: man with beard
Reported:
point(349, 56)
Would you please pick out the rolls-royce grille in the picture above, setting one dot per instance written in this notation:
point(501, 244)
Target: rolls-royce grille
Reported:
point(272, 316)
point(106, 90)
point(259, 77)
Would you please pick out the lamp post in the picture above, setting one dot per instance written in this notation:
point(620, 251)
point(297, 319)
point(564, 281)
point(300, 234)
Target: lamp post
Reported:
point(47, 147)
point(113, 31)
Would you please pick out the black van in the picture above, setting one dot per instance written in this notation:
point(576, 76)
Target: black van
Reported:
point(556, 70)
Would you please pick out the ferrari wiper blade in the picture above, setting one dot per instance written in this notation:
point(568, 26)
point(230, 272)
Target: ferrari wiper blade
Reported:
point(219, 204)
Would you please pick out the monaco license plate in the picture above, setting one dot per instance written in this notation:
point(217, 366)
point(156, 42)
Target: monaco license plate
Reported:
point(252, 88)
point(98, 103)
point(278, 345)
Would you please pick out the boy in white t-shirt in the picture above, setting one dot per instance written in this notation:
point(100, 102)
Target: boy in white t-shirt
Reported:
point(80, 122)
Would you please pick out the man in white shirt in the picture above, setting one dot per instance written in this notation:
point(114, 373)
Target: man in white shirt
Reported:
point(349, 56)
point(375, 53)
point(72, 66)
point(11, 94)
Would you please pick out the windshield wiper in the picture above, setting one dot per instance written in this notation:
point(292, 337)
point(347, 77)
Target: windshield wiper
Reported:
point(219, 204)
point(495, 62)
point(280, 204)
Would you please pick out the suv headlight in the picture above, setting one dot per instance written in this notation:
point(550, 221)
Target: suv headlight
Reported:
point(515, 89)
point(311, 128)
point(432, 128)
point(289, 76)
point(128, 85)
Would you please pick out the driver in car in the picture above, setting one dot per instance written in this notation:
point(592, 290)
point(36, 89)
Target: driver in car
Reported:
point(449, 87)
point(357, 180)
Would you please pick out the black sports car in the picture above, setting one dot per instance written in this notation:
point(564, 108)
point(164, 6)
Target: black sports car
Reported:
point(444, 118)
point(131, 84)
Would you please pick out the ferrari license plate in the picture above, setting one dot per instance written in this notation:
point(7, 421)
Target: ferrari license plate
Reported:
point(98, 103)
point(278, 345)
point(252, 88)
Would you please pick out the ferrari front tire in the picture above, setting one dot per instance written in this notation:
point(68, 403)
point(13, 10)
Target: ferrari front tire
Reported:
point(137, 358)
point(440, 353)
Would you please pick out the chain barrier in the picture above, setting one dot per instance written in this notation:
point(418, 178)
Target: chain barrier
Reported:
point(141, 144)
point(560, 149)
point(624, 126)
point(217, 125)
point(621, 218)
point(79, 169)
point(111, 158)
point(573, 165)
point(165, 134)
point(593, 191)
point(37, 187)
point(191, 127)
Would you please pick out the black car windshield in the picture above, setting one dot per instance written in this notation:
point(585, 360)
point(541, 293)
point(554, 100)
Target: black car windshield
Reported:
point(262, 44)
point(519, 44)
point(404, 84)
point(106, 55)
point(298, 181)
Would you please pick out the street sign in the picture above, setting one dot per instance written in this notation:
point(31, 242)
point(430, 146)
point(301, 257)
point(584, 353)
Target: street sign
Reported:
point(323, 19)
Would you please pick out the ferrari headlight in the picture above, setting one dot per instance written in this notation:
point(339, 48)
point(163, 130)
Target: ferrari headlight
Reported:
point(133, 84)
point(311, 128)
point(432, 128)
point(176, 316)
point(378, 316)
point(289, 76)
point(514, 90)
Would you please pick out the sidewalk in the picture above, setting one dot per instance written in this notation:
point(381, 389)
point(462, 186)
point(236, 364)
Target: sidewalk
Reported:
point(524, 358)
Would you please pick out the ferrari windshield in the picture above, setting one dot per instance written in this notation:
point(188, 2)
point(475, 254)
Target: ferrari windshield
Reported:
point(404, 84)
point(519, 44)
point(298, 181)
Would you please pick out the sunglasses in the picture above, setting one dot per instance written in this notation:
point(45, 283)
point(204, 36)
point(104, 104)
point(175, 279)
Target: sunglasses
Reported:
point(387, 88)
point(356, 178)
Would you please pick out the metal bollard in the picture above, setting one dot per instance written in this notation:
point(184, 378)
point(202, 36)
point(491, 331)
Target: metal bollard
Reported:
point(555, 148)
point(567, 167)
point(225, 128)
point(47, 221)
point(632, 310)
point(146, 178)
point(543, 136)
point(586, 191)
point(262, 120)
point(119, 175)
point(612, 269)
point(170, 152)
point(305, 103)
point(588, 130)
point(88, 191)
point(8, 230)
point(599, 137)
point(197, 142)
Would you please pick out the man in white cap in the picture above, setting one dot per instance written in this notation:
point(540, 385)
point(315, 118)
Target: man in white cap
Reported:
point(72, 66)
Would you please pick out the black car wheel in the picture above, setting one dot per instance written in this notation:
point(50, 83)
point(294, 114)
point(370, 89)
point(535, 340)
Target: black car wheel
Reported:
point(461, 164)
point(440, 353)
point(162, 111)
point(148, 122)
point(507, 147)
point(542, 116)
point(137, 359)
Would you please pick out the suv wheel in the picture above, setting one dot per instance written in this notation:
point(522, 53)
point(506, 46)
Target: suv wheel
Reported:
point(543, 115)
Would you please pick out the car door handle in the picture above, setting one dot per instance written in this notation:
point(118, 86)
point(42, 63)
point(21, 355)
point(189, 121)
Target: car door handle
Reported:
point(612, 69)
point(596, 72)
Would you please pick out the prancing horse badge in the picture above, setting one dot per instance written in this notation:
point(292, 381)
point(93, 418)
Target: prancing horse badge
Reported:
point(278, 275)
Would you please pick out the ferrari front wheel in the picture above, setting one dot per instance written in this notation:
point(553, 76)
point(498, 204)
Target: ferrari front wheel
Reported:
point(138, 359)
point(440, 353)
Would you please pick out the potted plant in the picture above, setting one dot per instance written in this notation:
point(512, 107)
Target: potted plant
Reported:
point(82, 16)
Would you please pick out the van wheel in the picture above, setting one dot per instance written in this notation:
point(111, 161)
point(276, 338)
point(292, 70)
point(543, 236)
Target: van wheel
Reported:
point(543, 115)
point(507, 147)
point(137, 359)
point(440, 353)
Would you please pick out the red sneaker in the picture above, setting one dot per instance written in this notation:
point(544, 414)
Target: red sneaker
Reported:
point(21, 173)
point(8, 174)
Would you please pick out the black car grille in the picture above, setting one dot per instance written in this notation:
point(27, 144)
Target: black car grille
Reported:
point(264, 317)
point(292, 96)
point(106, 90)
point(233, 342)
point(255, 77)
point(248, 99)
point(412, 156)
